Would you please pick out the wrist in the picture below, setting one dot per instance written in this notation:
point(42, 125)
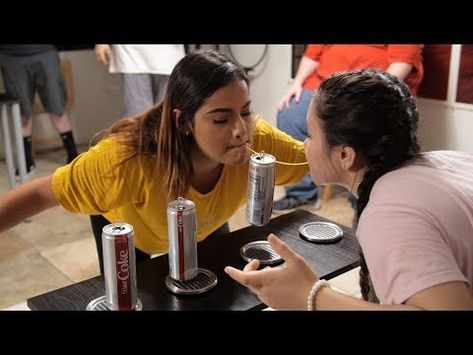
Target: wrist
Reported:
point(311, 304)
point(297, 81)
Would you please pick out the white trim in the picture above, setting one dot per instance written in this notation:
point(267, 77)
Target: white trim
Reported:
point(455, 57)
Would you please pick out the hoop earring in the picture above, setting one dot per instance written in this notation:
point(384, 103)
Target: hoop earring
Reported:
point(188, 134)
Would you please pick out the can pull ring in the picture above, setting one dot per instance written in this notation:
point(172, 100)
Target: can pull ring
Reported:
point(180, 203)
point(277, 161)
point(118, 228)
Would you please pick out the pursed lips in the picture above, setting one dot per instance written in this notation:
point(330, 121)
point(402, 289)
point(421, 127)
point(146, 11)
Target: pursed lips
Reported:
point(236, 146)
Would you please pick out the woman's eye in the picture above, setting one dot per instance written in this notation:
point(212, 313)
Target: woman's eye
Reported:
point(246, 114)
point(220, 121)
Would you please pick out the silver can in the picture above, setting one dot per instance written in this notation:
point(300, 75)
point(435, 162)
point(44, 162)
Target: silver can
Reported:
point(182, 233)
point(118, 242)
point(261, 178)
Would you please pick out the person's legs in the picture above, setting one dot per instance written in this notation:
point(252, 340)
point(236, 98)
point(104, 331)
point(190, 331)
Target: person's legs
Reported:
point(98, 222)
point(138, 93)
point(160, 83)
point(141, 256)
point(293, 121)
point(18, 76)
point(223, 229)
point(63, 126)
point(27, 131)
point(52, 91)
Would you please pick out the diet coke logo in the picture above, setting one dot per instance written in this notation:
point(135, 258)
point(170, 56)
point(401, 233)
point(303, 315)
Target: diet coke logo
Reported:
point(123, 271)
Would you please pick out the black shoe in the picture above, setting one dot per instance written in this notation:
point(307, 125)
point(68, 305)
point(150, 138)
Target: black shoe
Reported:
point(30, 171)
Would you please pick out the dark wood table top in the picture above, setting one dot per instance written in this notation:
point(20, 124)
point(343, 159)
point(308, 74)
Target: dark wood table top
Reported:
point(329, 260)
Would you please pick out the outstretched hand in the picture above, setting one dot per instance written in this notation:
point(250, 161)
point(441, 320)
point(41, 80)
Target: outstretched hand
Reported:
point(284, 287)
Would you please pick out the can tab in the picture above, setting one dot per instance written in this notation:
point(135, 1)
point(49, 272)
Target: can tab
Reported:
point(181, 203)
point(118, 229)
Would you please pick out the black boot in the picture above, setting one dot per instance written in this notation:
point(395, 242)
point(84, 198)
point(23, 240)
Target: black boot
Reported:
point(30, 165)
point(70, 145)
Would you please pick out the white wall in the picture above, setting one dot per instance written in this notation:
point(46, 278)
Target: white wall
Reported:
point(445, 127)
point(99, 99)
point(270, 79)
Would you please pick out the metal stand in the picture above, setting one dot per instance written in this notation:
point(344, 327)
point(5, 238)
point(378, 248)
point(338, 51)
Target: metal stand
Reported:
point(14, 106)
point(202, 282)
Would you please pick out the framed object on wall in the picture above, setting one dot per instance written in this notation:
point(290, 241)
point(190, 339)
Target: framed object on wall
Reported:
point(436, 59)
point(465, 75)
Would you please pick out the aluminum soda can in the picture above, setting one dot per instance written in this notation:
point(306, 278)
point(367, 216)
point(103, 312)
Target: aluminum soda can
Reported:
point(182, 233)
point(261, 178)
point(118, 242)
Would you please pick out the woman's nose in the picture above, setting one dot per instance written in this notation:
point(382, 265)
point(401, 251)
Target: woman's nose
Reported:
point(239, 128)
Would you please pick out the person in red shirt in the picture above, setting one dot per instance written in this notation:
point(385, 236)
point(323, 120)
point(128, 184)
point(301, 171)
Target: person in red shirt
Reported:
point(318, 63)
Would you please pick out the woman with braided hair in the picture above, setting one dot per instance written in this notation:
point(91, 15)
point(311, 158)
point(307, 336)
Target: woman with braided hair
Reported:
point(415, 210)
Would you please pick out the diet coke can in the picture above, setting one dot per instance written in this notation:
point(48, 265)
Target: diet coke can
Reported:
point(182, 234)
point(261, 175)
point(119, 266)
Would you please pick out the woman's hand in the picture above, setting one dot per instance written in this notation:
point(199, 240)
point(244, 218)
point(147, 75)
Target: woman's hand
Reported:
point(284, 287)
point(294, 90)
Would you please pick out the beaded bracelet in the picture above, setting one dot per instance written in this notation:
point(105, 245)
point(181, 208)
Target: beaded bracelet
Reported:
point(313, 292)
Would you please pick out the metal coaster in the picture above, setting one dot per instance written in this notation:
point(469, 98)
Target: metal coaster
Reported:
point(320, 232)
point(100, 304)
point(202, 282)
point(260, 250)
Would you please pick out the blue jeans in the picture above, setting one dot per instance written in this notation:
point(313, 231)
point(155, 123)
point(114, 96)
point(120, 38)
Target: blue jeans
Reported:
point(292, 120)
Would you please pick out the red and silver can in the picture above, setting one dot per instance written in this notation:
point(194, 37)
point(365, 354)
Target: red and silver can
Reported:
point(261, 178)
point(119, 266)
point(182, 233)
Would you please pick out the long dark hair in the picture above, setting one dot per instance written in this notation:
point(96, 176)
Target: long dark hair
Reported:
point(194, 79)
point(374, 113)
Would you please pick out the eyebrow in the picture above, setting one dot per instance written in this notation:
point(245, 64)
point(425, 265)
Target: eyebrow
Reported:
point(224, 109)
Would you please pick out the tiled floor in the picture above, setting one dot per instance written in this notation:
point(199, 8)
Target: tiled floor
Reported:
point(56, 248)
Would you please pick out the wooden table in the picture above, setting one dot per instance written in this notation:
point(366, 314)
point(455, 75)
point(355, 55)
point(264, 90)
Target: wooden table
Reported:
point(329, 260)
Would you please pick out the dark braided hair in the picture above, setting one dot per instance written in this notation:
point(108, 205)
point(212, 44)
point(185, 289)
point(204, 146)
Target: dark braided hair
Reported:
point(374, 113)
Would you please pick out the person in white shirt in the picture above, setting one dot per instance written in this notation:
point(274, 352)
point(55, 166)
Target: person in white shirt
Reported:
point(145, 71)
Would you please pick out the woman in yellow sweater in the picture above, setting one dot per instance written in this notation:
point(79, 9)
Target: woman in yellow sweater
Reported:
point(195, 144)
